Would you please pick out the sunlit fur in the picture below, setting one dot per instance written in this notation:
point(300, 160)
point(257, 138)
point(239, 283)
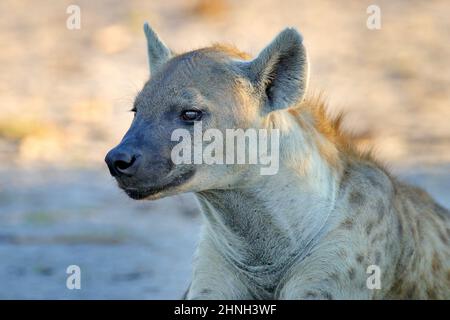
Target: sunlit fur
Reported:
point(340, 200)
point(312, 230)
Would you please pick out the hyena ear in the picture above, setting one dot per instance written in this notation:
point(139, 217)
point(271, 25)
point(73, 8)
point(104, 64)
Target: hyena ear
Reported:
point(280, 72)
point(158, 52)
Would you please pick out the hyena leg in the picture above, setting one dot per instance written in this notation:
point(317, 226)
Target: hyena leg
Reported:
point(213, 278)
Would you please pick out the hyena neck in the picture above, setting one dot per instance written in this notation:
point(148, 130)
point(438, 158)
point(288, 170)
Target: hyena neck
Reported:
point(274, 220)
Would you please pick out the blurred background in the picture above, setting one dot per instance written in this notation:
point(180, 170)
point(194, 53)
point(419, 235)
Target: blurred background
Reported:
point(64, 101)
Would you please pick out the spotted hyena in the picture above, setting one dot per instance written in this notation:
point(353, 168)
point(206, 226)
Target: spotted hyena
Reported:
point(311, 231)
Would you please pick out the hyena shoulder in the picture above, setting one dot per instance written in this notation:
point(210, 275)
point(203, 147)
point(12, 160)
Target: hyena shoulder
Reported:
point(423, 268)
point(398, 227)
point(363, 185)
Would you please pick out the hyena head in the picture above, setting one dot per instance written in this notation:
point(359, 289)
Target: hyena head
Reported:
point(217, 86)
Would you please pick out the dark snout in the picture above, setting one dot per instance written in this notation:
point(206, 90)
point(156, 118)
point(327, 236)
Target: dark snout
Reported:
point(123, 161)
point(142, 163)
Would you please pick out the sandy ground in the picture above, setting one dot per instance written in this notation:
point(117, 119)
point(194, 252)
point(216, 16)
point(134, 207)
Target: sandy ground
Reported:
point(64, 96)
point(125, 249)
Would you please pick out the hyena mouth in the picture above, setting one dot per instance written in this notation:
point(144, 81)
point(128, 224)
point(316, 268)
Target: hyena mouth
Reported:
point(142, 193)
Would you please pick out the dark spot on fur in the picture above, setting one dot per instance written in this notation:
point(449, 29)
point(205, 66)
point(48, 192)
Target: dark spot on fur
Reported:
point(369, 228)
point(411, 292)
point(397, 287)
point(347, 224)
point(359, 258)
point(436, 263)
point(356, 198)
point(431, 292)
point(326, 295)
point(345, 177)
point(205, 291)
point(400, 229)
point(311, 294)
point(334, 276)
point(419, 229)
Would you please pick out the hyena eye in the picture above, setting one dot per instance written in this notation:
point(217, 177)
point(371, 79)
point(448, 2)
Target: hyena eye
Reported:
point(191, 115)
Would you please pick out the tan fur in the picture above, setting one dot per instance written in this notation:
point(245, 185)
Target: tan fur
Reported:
point(229, 50)
point(310, 231)
point(407, 232)
point(339, 144)
point(422, 268)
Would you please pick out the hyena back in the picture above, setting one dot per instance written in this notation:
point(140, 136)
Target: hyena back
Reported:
point(313, 230)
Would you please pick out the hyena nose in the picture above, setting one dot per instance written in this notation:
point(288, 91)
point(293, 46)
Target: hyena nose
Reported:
point(122, 162)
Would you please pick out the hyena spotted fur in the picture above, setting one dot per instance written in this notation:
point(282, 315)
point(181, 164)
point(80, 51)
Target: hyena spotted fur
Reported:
point(311, 230)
